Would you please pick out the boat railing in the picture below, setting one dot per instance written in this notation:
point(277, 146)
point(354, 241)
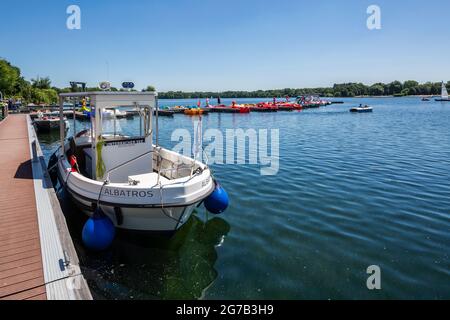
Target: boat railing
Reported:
point(174, 166)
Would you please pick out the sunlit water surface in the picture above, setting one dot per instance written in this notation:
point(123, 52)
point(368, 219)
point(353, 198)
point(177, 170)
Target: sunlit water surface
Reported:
point(352, 190)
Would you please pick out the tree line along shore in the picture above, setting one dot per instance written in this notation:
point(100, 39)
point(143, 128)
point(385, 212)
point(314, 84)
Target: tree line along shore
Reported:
point(40, 90)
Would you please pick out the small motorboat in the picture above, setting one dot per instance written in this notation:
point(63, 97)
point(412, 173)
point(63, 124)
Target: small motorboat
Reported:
point(361, 109)
point(311, 101)
point(425, 99)
point(46, 123)
point(109, 113)
point(136, 183)
point(164, 113)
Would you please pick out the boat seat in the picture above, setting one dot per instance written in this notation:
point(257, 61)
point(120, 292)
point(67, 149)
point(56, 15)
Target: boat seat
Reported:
point(148, 179)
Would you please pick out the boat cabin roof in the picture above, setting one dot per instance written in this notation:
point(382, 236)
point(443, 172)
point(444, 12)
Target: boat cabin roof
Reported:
point(115, 99)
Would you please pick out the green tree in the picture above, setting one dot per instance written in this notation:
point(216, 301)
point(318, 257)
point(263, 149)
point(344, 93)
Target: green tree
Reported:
point(38, 96)
point(395, 87)
point(9, 76)
point(376, 90)
point(410, 84)
point(41, 83)
point(149, 89)
point(51, 95)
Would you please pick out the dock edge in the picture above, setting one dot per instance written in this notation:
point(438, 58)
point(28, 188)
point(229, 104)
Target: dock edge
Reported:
point(62, 273)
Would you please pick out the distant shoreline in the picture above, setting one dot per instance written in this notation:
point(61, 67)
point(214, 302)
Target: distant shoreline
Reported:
point(391, 96)
point(333, 98)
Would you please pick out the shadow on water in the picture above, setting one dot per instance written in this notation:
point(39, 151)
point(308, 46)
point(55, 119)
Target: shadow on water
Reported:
point(139, 266)
point(49, 138)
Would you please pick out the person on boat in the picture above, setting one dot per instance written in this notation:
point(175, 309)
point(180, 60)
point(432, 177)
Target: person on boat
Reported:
point(207, 102)
point(274, 100)
point(219, 102)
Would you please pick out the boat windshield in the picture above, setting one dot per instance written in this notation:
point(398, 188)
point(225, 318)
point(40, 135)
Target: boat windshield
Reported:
point(123, 122)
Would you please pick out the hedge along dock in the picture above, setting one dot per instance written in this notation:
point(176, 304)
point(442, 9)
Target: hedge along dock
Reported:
point(37, 256)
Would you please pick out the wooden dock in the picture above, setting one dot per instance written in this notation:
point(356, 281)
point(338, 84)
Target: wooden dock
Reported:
point(37, 256)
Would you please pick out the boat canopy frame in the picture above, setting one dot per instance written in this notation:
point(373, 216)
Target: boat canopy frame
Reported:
point(100, 100)
point(110, 100)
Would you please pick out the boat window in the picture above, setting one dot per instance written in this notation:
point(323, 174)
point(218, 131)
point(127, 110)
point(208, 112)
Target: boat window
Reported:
point(125, 122)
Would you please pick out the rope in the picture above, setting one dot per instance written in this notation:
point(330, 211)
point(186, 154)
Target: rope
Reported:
point(162, 205)
point(100, 193)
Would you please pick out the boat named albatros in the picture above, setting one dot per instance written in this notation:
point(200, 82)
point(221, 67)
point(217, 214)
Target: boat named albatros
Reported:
point(136, 183)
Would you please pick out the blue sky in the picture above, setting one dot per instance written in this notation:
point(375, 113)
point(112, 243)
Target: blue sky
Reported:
point(228, 45)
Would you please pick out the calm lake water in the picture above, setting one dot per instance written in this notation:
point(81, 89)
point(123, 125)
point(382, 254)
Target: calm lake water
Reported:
point(353, 190)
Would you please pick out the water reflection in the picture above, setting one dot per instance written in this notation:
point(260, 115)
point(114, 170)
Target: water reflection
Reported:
point(139, 266)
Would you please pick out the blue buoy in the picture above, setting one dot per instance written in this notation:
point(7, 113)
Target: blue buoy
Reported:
point(98, 231)
point(217, 202)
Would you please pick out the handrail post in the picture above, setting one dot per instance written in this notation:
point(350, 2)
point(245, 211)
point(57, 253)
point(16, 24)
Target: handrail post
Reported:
point(157, 127)
point(61, 123)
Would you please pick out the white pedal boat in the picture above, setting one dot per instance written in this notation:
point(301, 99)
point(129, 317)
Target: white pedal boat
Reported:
point(139, 185)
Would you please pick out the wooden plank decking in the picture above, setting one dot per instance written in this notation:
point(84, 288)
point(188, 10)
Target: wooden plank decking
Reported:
point(21, 268)
point(37, 256)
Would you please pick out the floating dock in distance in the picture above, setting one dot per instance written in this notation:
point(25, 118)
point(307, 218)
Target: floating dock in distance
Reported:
point(286, 108)
point(223, 109)
point(261, 109)
point(38, 259)
point(164, 113)
point(178, 109)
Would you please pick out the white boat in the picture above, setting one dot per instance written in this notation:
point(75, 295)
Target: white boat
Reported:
point(444, 93)
point(111, 113)
point(137, 184)
point(361, 109)
point(46, 123)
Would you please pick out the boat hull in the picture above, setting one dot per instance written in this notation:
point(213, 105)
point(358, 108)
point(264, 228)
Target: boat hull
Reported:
point(47, 125)
point(361, 110)
point(156, 210)
point(143, 219)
